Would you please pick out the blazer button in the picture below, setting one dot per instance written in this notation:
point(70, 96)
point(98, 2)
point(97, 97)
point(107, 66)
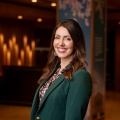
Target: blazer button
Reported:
point(38, 118)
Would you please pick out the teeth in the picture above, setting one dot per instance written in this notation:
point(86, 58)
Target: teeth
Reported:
point(61, 49)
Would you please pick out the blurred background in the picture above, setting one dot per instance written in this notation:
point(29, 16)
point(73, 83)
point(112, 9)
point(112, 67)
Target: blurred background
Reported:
point(25, 31)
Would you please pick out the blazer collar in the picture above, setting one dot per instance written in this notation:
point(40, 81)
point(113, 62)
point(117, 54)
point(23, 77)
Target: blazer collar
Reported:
point(52, 87)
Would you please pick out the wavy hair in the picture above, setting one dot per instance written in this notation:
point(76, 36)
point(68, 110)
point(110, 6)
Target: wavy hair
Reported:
point(78, 61)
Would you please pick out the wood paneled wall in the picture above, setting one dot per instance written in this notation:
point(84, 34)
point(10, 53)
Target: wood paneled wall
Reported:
point(117, 60)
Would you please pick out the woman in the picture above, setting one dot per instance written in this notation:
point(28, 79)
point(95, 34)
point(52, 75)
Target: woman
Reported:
point(65, 86)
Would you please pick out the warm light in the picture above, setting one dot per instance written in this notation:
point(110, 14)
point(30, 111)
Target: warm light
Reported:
point(14, 39)
point(30, 58)
point(10, 45)
point(1, 52)
point(27, 54)
point(33, 45)
point(20, 17)
point(19, 62)
point(27, 48)
point(53, 4)
point(22, 54)
point(1, 42)
point(16, 53)
point(34, 0)
point(33, 51)
point(4, 53)
point(1, 38)
point(8, 57)
point(119, 23)
point(39, 20)
point(25, 41)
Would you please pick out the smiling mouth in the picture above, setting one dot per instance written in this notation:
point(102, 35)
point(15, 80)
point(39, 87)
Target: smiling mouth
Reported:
point(61, 50)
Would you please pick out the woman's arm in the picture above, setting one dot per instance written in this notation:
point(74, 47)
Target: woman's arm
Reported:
point(78, 96)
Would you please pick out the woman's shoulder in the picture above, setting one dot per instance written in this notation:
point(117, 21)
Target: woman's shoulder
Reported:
point(82, 72)
point(82, 75)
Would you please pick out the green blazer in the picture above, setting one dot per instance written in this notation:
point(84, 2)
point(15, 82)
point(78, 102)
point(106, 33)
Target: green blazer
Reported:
point(64, 100)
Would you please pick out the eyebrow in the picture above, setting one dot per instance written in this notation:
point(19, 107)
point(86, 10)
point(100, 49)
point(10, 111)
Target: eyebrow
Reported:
point(64, 36)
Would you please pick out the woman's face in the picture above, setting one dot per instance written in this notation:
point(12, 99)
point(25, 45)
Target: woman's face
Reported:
point(63, 44)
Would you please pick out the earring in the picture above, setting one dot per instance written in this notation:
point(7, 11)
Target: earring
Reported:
point(55, 54)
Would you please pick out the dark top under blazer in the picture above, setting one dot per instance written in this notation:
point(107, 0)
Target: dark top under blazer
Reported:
point(64, 100)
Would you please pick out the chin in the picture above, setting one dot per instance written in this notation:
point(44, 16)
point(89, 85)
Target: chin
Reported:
point(62, 56)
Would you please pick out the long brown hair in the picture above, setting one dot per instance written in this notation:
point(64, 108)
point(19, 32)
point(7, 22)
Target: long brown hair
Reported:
point(78, 61)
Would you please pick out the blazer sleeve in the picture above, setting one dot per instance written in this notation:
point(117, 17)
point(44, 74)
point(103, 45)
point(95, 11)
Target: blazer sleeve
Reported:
point(80, 89)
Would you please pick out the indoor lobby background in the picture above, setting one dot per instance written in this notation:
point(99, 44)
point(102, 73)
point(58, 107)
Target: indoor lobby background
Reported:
point(25, 32)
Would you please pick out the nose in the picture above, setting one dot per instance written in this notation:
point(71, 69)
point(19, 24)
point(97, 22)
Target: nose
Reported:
point(61, 42)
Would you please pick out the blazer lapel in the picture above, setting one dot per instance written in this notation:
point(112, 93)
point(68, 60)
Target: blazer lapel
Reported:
point(36, 99)
point(52, 87)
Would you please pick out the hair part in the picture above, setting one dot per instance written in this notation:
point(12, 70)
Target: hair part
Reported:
point(78, 61)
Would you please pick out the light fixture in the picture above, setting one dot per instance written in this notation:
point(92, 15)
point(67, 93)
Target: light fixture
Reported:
point(34, 0)
point(20, 17)
point(53, 4)
point(119, 22)
point(39, 20)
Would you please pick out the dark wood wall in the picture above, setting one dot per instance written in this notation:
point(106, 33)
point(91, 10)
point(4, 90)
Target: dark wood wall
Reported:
point(18, 84)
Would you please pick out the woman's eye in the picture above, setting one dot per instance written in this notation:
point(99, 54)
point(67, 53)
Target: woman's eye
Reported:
point(68, 38)
point(56, 37)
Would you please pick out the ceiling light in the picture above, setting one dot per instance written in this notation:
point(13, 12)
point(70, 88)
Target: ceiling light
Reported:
point(34, 0)
point(20, 17)
point(53, 4)
point(39, 20)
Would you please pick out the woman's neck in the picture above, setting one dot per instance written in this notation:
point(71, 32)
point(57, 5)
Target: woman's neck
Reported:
point(65, 62)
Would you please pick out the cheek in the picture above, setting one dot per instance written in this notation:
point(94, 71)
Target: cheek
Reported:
point(71, 45)
point(54, 44)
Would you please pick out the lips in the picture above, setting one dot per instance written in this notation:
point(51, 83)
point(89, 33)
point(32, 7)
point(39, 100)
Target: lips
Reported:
point(62, 50)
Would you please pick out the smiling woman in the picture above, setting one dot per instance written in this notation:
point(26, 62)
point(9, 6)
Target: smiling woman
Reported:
point(65, 86)
point(64, 46)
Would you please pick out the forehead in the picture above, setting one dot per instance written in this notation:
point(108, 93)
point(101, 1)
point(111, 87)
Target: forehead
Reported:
point(62, 31)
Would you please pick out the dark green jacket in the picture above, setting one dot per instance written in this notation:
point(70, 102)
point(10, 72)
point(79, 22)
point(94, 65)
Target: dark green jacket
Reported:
point(64, 100)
